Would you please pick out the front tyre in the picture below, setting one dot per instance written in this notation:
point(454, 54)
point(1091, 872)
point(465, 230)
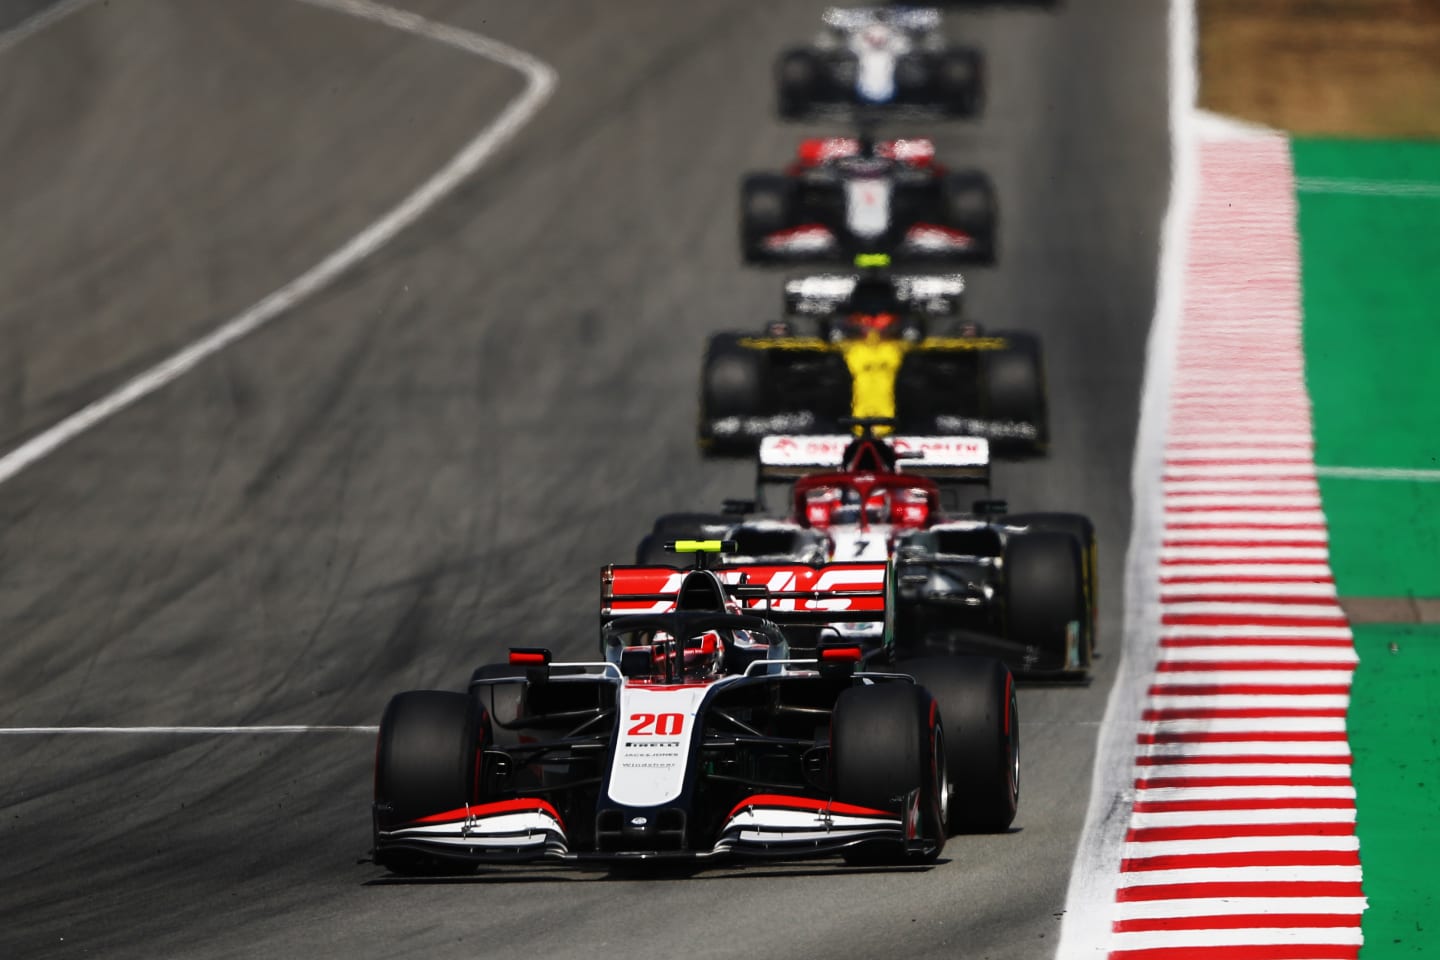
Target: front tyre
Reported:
point(425, 763)
point(887, 742)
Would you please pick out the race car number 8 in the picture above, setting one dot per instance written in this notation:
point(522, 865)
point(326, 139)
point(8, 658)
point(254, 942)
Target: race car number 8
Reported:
point(656, 724)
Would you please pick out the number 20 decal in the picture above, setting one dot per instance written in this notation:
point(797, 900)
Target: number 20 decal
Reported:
point(656, 724)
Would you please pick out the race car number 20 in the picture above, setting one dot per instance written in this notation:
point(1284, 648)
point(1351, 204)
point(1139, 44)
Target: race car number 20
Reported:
point(656, 724)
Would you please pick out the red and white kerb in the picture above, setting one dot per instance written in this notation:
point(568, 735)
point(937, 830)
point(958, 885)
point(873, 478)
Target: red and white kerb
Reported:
point(1242, 842)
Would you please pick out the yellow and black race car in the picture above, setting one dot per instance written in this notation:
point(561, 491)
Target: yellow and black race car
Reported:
point(882, 346)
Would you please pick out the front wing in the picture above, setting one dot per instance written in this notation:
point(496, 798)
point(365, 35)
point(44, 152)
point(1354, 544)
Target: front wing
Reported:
point(771, 826)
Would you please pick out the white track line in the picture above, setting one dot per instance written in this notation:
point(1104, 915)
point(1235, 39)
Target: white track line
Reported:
point(1378, 473)
point(199, 731)
point(539, 82)
point(1085, 930)
point(1417, 189)
point(45, 18)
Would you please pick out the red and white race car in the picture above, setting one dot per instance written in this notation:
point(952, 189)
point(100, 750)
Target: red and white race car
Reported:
point(971, 578)
point(723, 720)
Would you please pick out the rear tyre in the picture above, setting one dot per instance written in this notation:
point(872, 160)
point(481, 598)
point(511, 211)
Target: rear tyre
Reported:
point(886, 741)
point(731, 385)
point(982, 738)
point(1014, 389)
point(960, 82)
point(1078, 526)
point(970, 206)
point(1045, 598)
point(797, 73)
point(764, 209)
point(425, 763)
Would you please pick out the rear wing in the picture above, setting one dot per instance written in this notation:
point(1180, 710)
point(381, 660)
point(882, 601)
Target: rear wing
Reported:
point(902, 18)
point(953, 459)
point(784, 593)
point(829, 293)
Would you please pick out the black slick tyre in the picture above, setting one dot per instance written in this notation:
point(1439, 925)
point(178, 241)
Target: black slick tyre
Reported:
point(1082, 529)
point(886, 741)
point(425, 763)
point(1014, 390)
point(732, 384)
point(982, 737)
point(960, 82)
point(797, 74)
point(1045, 598)
point(970, 206)
point(764, 209)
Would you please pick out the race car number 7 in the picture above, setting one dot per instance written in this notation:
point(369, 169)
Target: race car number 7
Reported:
point(656, 724)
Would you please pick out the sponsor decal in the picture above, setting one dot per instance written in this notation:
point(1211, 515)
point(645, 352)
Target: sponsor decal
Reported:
point(991, 429)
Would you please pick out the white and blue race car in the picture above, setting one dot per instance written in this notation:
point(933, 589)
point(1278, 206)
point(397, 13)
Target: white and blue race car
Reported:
point(880, 60)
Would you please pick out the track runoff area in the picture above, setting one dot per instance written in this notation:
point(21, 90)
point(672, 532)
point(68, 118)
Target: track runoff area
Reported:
point(1287, 616)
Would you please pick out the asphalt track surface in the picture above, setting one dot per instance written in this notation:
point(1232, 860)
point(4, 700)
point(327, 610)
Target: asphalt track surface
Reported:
point(431, 459)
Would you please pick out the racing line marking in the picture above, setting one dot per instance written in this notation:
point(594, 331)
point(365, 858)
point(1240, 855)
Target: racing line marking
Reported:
point(35, 23)
point(539, 83)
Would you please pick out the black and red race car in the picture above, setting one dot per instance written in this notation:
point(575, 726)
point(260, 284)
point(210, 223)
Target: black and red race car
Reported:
point(724, 718)
point(844, 196)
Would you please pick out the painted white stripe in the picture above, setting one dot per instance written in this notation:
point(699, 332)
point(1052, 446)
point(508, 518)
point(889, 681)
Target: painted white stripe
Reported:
point(1248, 653)
point(1237, 938)
point(45, 18)
point(1178, 535)
point(1238, 907)
point(1345, 186)
point(1278, 468)
point(1254, 630)
point(1289, 518)
point(1191, 749)
point(1268, 393)
point(1259, 701)
point(1247, 500)
point(1253, 608)
point(1261, 554)
point(1154, 878)
point(1264, 486)
point(539, 81)
point(1379, 473)
point(1180, 848)
point(1313, 572)
point(1230, 818)
point(185, 730)
point(1279, 792)
point(1279, 678)
point(1245, 725)
point(1230, 771)
point(1177, 593)
point(1227, 445)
